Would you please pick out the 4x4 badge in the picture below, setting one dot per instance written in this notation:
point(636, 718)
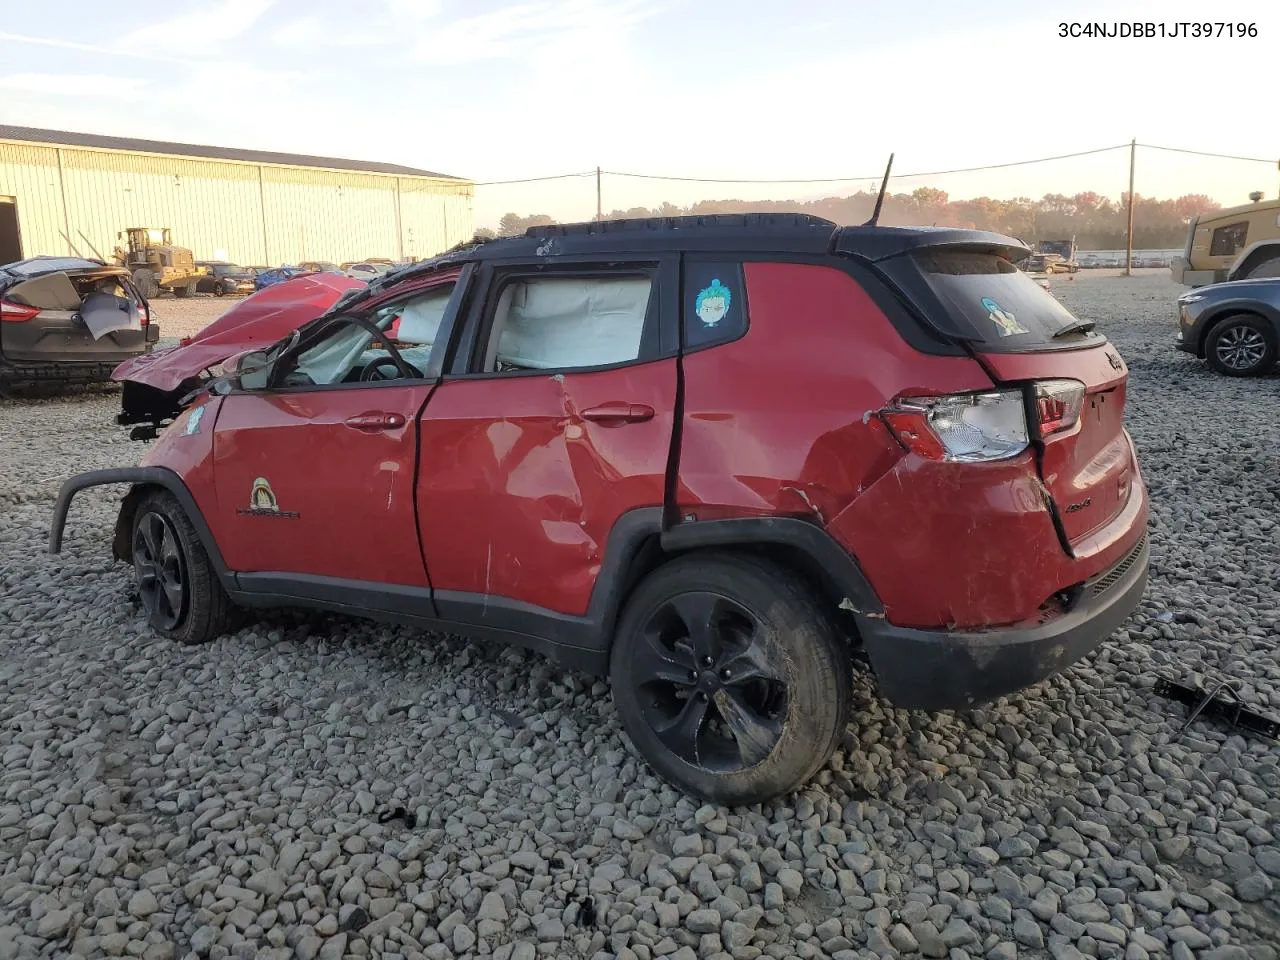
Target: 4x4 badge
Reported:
point(262, 502)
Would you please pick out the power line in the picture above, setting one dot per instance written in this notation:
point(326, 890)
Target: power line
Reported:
point(874, 176)
point(558, 176)
point(1202, 153)
point(1015, 163)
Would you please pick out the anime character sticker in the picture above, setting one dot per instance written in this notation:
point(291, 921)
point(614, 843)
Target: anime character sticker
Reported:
point(713, 303)
point(1005, 322)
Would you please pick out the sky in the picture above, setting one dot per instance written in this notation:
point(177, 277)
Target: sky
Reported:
point(732, 89)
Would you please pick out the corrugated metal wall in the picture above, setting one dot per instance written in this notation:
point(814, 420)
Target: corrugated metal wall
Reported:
point(251, 214)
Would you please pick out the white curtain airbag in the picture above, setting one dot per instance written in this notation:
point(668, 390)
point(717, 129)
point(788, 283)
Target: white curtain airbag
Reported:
point(420, 319)
point(574, 323)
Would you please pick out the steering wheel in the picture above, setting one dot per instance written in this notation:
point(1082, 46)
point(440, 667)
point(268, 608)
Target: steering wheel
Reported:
point(372, 370)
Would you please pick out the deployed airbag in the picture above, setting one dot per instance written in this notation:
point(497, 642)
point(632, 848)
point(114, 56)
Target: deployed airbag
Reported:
point(568, 323)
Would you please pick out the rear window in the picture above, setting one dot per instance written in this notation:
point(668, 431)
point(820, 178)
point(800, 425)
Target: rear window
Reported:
point(992, 302)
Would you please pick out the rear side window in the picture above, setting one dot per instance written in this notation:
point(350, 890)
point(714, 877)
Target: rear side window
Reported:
point(991, 301)
point(714, 307)
point(569, 323)
point(1228, 240)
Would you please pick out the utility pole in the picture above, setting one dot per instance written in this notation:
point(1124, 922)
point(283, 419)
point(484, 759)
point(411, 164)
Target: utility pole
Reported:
point(599, 201)
point(1128, 260)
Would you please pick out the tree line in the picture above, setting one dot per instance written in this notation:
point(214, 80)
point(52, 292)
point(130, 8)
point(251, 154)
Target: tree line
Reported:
point(1097, 222)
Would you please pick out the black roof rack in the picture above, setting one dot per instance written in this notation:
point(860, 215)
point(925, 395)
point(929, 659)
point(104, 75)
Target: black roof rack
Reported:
point(757, 221)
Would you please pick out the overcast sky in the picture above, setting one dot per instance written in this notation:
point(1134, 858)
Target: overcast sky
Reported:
point(694, 88)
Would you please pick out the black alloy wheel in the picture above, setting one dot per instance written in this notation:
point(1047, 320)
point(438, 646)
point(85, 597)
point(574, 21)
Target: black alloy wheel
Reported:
point(161, 570)
point(731, 677)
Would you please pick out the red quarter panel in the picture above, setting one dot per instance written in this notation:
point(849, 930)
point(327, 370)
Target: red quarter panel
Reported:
point(781, 421)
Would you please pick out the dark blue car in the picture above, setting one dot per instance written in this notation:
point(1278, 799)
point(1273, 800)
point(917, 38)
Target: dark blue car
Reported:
point(266, 278)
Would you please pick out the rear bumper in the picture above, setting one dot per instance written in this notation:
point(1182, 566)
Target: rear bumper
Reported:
point(942, 670)
point(52, 370)
point(70, 369)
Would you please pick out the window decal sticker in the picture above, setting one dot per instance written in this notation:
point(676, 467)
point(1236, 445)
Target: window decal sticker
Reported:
point(1004, 321)
point(713, 303)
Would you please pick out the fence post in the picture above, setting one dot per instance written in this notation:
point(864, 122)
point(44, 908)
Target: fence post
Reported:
point(1128, 260)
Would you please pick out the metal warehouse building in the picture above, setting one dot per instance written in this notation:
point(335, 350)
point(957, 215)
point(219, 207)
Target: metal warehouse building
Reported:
point(65, 192)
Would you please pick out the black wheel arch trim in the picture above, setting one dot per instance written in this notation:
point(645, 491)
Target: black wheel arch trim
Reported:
point(835, 567)
point(138, 478)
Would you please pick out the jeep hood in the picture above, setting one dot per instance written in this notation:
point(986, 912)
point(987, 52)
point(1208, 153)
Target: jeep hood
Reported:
point(255, 322)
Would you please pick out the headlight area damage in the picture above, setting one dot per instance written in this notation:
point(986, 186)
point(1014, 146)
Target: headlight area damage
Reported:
point(156, 387)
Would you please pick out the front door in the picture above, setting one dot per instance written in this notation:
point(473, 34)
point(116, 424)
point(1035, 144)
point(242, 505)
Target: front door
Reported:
point(558, 423)
point(315, 474)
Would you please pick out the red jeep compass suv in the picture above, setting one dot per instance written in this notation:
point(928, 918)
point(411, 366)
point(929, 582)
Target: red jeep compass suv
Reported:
point(714, 458)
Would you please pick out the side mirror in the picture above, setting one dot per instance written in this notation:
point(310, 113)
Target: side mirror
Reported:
point(252, 370)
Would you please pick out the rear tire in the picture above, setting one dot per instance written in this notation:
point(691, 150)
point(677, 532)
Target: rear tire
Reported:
point(1243, 345)
point(177, 585)
point(185, 290)
point(730, 677)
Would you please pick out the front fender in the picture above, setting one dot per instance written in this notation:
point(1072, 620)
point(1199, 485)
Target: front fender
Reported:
point(139, 478)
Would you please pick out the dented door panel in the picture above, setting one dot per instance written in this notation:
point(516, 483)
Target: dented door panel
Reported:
point(338, 497)
point(518, 490)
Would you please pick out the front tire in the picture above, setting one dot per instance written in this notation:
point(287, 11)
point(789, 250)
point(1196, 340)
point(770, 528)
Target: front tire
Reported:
point(730, 677)
point(1241, 346)
point(179, 590)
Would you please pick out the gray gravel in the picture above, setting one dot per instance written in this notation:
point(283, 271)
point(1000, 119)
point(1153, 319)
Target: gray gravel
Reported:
point(239, 799)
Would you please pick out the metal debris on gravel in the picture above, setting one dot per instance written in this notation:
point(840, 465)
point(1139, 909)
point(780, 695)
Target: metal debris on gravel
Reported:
point(232, 800)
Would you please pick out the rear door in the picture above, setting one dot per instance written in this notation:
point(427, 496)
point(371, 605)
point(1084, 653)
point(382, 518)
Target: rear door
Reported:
point(556, 420)
point(72, 316)
point(1023, 335)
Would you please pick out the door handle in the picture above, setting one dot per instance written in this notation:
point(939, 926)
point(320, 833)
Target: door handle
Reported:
point(376, 421)
point(619, 413)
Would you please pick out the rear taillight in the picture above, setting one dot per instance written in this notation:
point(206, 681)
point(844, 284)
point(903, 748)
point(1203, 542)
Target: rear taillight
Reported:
point(144, 314)
point(1058, 404)
point(961, 428)
point(16, 312)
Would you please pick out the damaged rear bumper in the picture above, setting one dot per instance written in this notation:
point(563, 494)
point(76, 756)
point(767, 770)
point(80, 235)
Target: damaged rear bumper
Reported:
point(942, 670)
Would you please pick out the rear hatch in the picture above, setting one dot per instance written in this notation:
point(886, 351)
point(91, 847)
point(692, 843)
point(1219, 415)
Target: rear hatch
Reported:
point(1073, 379)
point(84, 313)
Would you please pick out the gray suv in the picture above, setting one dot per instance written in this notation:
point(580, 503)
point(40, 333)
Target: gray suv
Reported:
point(68, 319)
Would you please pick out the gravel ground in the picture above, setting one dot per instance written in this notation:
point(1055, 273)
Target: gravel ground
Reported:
point(320, 787)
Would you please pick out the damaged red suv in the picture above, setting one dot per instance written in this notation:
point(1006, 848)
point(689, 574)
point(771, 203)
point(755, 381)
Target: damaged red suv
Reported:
point(715, 459)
